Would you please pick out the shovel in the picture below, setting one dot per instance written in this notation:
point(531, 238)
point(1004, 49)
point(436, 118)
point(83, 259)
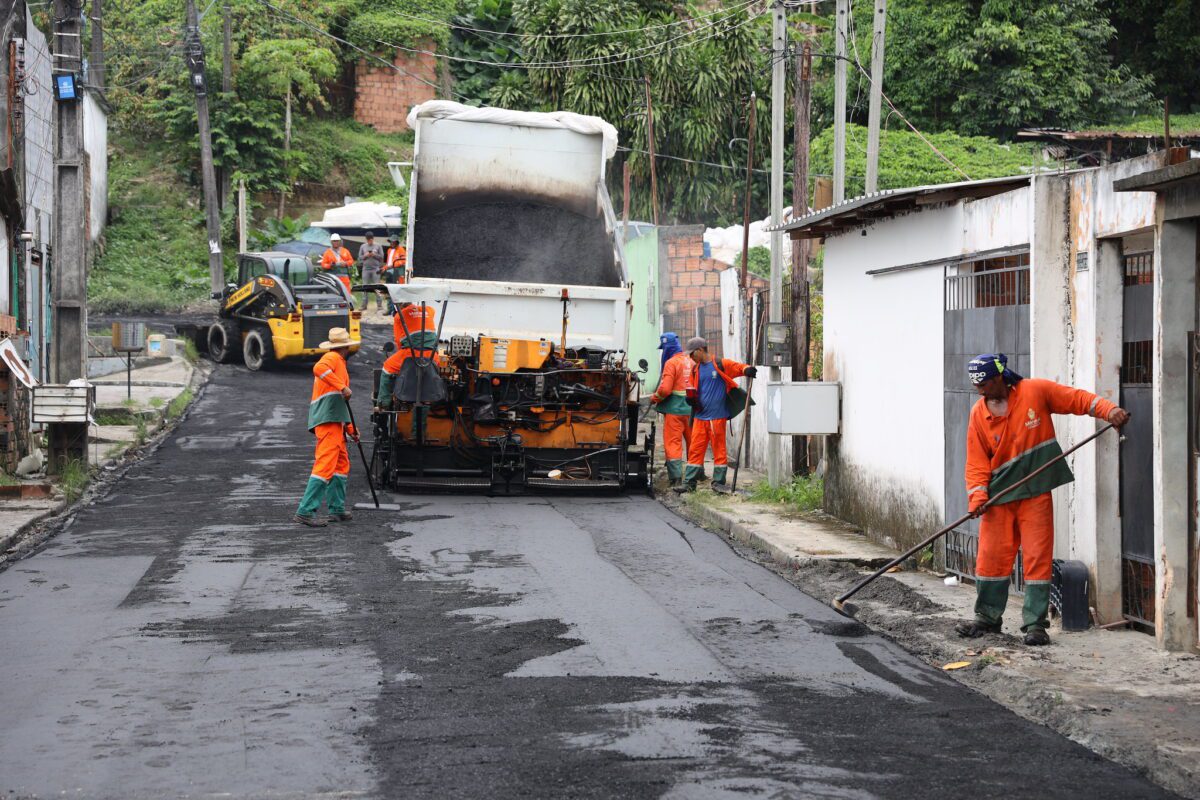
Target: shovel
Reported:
point(849, 609)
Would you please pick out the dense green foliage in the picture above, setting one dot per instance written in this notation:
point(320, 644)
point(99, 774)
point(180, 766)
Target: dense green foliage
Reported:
point(758, 263)
point(907, 160)
point(1160, 38)
point(379, 25)
point(991, 67)
point(155, 258)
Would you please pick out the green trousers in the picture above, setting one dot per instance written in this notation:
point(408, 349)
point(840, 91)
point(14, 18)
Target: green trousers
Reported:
point(332, 493)
point(991, 596)
point(674, 469)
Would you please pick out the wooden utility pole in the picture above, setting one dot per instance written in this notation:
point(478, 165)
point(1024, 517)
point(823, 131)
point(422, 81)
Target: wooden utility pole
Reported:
point(877, 46)
point(841, 31)
point(287, 149)
point(625, 200)
point(653, 158)
point(68, 441)
point(241, 212)
point(800, 317)
point(194, 49)
point(96, 61)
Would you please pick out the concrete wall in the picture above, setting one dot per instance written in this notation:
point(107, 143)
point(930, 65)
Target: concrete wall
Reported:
point(39, 193)
point(95, 144)
point(641, 261)
point(883, 342)
point(383, 97)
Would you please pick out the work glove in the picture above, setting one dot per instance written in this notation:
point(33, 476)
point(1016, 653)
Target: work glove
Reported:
point(352, 432)
point(751, 372)
point(976, 503)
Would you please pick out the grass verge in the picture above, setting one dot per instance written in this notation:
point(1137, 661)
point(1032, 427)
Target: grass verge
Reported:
point(804, 493)
point(180, 404)
point(73, 479)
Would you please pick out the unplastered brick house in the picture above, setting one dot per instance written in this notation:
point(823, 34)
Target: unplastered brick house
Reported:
point(690, 279)
point(383, 96)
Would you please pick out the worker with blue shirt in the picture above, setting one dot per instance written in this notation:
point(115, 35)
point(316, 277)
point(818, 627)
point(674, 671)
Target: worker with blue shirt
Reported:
point(708, 393)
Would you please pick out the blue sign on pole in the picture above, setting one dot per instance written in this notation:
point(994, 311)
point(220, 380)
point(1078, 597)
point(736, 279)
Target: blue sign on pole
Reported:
point(64, 87)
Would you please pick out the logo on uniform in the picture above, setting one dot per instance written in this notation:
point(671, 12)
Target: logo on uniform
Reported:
point(1034, 420)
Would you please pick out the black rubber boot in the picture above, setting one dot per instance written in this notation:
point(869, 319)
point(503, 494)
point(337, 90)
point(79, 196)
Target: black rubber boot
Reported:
point(1037, 637)
point(684, 488)
point(974, 628)
point(720, 488)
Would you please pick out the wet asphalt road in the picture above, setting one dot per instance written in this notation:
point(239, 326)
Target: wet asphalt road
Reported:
point(182, 639)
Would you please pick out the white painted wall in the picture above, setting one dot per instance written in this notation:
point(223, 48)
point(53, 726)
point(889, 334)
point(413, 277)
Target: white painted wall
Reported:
point(95, 144)
point(884, 342)
point(39, 190)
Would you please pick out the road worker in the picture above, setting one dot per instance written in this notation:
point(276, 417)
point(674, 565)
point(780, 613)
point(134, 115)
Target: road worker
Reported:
point(670, 400)
point(338, 261)
point(708, 391)
point(416, 318)
point(329, 420)
point(396, 261)
point(421, 340)
point(1010, 435)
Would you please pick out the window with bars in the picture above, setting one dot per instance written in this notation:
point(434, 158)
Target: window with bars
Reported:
point(1138, 268)
point(989, 283)
point(1137, 362)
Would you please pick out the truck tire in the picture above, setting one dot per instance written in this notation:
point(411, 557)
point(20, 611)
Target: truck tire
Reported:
point(258, 351)
point(223, 341)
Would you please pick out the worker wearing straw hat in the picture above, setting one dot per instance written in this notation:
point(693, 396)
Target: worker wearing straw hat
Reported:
point(329, 420)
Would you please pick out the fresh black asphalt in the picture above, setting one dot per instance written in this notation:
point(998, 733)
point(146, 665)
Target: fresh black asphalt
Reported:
point(182, 638)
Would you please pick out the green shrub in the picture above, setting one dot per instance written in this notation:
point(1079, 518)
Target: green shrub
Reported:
point(804, 493)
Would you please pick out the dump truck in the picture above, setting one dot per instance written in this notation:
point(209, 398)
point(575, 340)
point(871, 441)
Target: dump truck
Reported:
point(513, 239)
point(280, 309)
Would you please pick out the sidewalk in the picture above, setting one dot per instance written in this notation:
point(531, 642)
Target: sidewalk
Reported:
point(1111, 691)
point(160, 393)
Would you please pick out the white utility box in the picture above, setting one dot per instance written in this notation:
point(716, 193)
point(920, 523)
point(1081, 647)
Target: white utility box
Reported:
point(811, 408)
point(58, 403)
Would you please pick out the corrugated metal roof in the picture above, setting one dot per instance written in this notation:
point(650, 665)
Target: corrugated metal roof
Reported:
point(860, 210)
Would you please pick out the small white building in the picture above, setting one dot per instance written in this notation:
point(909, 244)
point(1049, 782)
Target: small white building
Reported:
point(1085, 277)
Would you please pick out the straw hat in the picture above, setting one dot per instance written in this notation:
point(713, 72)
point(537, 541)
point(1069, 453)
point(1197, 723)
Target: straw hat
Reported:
point(338, 338)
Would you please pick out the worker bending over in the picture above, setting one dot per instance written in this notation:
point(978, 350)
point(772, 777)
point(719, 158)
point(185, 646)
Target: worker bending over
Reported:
point(670, 400)
point(1010, 435)
point(329, 419)
point(711, 381)
point(337, 261)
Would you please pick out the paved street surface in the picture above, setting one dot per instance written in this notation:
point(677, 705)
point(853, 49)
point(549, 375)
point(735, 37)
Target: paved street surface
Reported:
point(182, 638)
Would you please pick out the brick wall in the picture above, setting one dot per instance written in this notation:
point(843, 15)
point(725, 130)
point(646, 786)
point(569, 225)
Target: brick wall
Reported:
point(691, 279)
point(383, 97)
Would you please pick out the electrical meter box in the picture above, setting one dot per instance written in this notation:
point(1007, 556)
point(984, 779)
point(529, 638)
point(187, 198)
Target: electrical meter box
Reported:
point(128, 337)
point(777, 345)
point(808, 408)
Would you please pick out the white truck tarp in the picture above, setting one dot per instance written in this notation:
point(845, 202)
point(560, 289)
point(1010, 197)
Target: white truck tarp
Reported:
point(445, 109)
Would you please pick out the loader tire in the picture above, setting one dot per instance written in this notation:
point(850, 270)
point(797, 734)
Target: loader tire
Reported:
point(258, 351)
point(224, 345)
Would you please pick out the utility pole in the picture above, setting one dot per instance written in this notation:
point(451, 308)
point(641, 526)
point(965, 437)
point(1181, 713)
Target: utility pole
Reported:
point(877, 43)
point(195, 62)
point(96, 62)
point(241, 212)
point(68, 441)
point(625, 200)
point(653, 158)
point(778, 85)
point(800, 321)
point(842, 25)
point(753, 124)
point(226, 86)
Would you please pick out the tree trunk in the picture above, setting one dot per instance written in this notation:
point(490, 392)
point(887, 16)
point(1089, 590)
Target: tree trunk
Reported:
point(287, 151)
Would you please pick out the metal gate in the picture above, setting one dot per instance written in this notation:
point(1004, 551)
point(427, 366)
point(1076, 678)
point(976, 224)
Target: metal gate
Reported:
point(986, 310)
point(1136, 464)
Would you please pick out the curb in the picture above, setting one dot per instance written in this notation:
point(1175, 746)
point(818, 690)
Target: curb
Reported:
point(714, 519)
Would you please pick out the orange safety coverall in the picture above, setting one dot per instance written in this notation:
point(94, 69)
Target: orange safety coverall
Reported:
point(397, 260)
point(671, 399)
point(705, 431)
point(339, 263)
point(328, 419)
point(1002, 450)
point(414, 321)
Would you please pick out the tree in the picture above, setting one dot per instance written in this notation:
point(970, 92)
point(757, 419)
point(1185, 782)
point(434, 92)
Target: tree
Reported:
point(992, 67)
point(294, 68)
point(1160, 38)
